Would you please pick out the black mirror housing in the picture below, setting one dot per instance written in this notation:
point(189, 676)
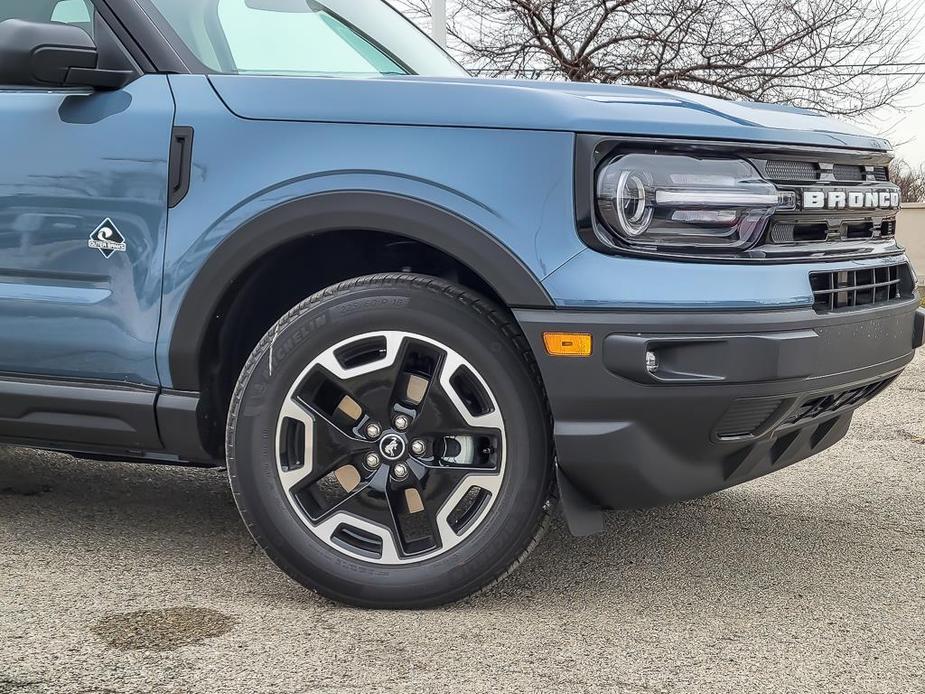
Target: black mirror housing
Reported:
point(50, 54)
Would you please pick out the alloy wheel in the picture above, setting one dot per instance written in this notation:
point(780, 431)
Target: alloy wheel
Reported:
point(390, 447)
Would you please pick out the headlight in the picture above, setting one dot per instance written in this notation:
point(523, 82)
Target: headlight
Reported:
point(676, 201)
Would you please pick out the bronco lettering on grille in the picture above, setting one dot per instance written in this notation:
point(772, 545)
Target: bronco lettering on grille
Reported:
point(840, 199)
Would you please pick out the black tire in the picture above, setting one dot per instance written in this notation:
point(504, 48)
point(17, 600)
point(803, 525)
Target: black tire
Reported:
point(476, 329)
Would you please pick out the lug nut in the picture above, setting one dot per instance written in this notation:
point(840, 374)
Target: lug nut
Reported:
point(418, 447)
point(373, 430)
point(400, 471)
point(402, 422)
point(372, 460)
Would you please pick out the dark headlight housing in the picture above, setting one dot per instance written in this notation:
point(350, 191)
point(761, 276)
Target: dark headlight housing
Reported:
point(683, 203)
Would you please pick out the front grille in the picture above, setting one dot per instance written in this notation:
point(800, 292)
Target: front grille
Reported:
point(790, 232)
point(833, 402)
point(792, 171)
point(848, 289)
point(831, 230)
point(806, 225)
point(848, 172)
point(782, 232)
point(787, 170)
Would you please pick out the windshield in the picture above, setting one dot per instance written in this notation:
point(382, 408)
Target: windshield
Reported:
point(336, 38)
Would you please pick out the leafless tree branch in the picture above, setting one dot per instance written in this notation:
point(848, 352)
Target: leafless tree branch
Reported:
point(835, 56)
point(910, 179)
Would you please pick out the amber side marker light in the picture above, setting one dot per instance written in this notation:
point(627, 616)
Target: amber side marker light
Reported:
point(567, 344)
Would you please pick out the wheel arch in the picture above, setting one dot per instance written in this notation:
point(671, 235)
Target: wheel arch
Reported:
point(227, 267)
point(237, 287)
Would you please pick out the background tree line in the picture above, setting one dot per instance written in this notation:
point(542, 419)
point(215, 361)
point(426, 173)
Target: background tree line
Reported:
point(841, 57)
point(910, 179)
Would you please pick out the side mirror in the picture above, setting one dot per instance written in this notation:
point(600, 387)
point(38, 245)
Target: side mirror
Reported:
point(49, 54)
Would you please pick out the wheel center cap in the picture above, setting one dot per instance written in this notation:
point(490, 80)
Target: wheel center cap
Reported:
point(392, 446)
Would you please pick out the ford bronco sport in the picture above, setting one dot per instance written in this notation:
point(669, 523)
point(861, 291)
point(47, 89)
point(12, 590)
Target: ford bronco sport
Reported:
point(409, 309)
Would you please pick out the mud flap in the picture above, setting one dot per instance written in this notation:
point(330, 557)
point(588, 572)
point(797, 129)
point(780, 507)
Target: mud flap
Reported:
point(582, 515)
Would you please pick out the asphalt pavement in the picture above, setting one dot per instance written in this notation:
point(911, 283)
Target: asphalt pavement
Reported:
point(123, 578)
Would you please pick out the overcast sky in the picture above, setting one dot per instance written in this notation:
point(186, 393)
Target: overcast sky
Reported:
point(906, 129)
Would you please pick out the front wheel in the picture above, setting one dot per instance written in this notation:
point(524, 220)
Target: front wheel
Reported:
point(388, 443)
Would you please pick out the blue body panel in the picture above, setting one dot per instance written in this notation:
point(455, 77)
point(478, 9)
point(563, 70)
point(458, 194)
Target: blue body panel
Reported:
point(525, 105)
point(70, 161)
point(516, 184)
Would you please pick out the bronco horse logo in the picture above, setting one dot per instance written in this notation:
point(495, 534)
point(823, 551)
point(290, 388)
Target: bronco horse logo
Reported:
point(392, 447)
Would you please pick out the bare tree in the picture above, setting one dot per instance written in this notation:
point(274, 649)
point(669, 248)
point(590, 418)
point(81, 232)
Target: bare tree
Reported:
point(843, 57)
point(910, 179)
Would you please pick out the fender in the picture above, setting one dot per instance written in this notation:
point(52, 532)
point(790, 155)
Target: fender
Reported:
point(469, 244)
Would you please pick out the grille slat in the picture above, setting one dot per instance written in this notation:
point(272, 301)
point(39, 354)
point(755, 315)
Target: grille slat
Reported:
point(847, 289)
point(750, 417)
point(859, 287)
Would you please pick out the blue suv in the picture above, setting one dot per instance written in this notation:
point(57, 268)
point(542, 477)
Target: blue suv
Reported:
point(410, 310)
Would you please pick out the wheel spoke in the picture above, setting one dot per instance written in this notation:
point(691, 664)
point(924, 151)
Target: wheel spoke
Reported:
point(407, 381)
point(439, 414)
point(333, 443)
point(368, 501)
point(446, 478)
point(372, 507)
point(351, 383)
point(442, 487)
point(445, 409)
point(437, 486)
point(326, 445)
point(374, 392)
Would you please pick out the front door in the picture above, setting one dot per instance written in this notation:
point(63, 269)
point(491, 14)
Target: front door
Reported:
point(83, 217)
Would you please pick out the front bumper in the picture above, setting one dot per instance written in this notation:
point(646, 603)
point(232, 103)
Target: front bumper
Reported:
point(736, 395)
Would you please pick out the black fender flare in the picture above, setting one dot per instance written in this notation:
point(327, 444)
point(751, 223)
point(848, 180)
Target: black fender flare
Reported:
point(321, 213)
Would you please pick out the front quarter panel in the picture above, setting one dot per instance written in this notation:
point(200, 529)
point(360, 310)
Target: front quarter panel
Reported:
point(516, 185)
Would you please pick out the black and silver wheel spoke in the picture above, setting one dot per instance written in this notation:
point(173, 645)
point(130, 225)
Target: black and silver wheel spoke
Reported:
point(456, 401)
point(439, 414)
point(368, 509)
point(391, 447)
point(313, 445)
point(451, 494)
point(385, 376)
point(373, 392)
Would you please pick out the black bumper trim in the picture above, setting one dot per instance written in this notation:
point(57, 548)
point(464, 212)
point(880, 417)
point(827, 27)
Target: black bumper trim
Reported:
point(627, 438)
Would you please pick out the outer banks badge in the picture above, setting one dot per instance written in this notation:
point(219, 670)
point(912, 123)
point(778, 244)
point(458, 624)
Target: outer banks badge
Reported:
point(107, 239)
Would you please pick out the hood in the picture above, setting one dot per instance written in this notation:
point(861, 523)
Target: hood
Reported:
point(529, 105)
